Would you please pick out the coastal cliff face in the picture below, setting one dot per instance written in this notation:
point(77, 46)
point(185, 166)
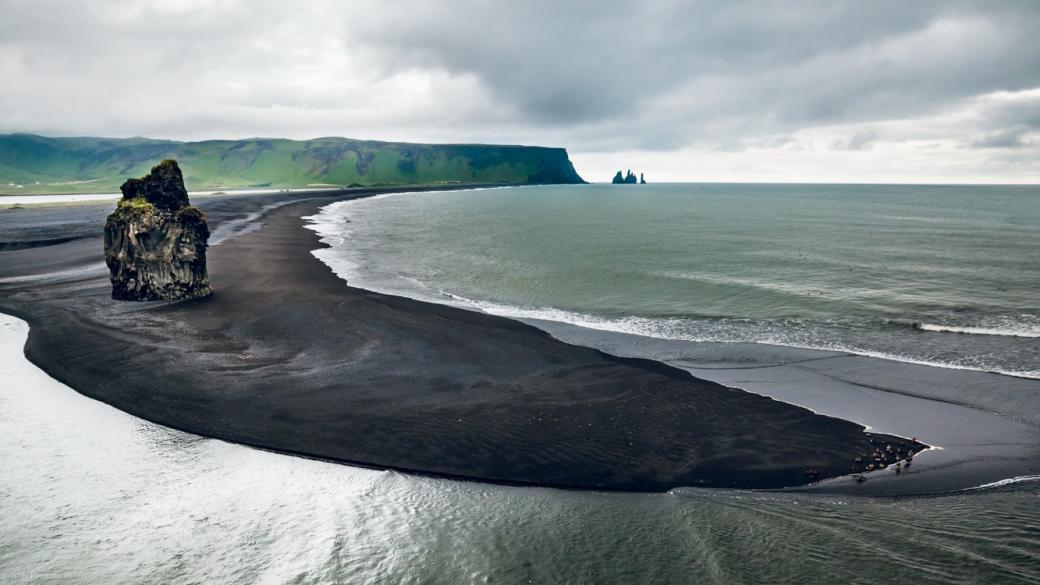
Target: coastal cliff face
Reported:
point(155, 241)
point(39, 164)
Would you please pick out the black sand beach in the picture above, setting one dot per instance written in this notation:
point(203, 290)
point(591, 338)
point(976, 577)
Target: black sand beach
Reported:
point(286, 357)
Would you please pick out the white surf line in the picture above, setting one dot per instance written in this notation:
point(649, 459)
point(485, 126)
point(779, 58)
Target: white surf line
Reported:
point(618, 326)
point(70, 273)
point(89, 197)
point(316, 219)
point(249, 223)
point(321, 224)
point(1003, 482)
point(1029, 332)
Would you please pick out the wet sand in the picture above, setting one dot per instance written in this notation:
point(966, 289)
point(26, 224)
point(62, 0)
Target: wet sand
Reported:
point(287, 357)
point(984, 427)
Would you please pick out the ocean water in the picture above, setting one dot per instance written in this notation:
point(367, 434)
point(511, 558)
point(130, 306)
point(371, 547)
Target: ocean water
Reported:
point(940, 275)
point(89, 494)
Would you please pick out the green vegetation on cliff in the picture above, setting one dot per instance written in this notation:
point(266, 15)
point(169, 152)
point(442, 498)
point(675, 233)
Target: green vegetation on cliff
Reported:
point(38, 164)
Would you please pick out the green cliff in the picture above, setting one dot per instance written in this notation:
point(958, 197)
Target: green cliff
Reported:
point(39, 164)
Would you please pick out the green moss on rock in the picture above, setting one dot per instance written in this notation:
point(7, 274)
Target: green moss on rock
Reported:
point(139, 203)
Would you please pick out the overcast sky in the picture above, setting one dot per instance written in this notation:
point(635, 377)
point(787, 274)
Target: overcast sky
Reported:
point(859, 91)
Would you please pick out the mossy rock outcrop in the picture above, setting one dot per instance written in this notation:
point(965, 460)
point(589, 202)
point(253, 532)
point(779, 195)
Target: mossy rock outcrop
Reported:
point(155, 241)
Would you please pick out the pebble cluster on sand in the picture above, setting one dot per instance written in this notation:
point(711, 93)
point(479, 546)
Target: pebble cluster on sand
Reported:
point(883, 457)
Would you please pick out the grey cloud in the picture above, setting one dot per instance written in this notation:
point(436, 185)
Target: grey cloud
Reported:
point(751, 67)
point(1006, 138)
point(861, 140)
point(1010, 123)
point(606, 76)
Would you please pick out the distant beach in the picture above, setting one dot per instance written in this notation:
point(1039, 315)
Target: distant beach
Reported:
point(74, 198)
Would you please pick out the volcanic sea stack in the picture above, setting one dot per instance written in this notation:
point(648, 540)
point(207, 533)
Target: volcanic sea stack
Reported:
point(155, 241)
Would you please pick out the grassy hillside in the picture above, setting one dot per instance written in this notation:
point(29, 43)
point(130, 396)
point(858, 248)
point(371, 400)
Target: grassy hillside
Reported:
point(38, 164)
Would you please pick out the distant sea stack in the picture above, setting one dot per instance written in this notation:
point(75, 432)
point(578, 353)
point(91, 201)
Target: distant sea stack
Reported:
point(628, 179)
point(155, 241)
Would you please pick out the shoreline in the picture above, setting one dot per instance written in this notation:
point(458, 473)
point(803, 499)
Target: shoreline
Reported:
point(8, 200)
point(24, 200)
point(194, 316)
point(420, 292)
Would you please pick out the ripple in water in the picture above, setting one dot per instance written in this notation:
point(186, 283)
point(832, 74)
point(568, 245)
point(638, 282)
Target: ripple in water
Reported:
point(938, 275)
point(91, 494)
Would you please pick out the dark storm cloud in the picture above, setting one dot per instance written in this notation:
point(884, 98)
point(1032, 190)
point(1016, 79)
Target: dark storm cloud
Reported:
point(595, 76)
point(575, 62)
point(773, 65)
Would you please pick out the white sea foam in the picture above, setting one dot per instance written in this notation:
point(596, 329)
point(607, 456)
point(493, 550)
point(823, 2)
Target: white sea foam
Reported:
point(1004, 482)
point(70, 274)
point(332, 224)
point(679, 330)
point(1022, 330)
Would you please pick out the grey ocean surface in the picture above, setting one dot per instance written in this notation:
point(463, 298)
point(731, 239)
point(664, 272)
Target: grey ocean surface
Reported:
point(942, 275)
point(89, 494)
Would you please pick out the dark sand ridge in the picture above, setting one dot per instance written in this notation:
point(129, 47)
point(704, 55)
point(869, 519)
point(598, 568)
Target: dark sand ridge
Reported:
point(985, 427)
point(285, 356)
